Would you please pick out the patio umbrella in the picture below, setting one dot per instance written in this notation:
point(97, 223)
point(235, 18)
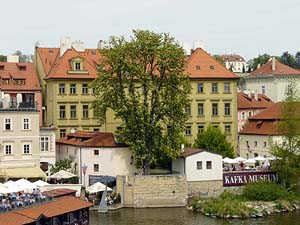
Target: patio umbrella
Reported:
point(250, 161)
point(40, 183)
point(9, 183)
point(229, 160)
point(97, 187)
point(239, 159)
point(260, 158)
point(25, 184)
point(62, 174)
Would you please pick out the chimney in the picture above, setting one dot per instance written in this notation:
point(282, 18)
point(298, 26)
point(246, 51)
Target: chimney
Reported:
point(13, 58)
point(186, 48)
point(65, 44)
point(255, 95)
point(78, 46)
point(273, 64)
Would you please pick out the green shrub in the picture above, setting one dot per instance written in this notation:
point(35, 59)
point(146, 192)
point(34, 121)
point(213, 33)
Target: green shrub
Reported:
point(264, 191)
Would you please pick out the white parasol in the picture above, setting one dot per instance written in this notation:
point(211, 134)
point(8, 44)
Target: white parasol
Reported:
point(62, 174)
point(97, 187)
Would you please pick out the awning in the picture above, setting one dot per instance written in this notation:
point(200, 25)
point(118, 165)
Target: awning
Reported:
point(22, 172)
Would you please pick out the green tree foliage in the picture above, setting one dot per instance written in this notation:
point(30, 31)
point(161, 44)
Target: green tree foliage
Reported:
point(288, 59)
point(260, 60)
point(24, 58)
point(219, 59)
point(142, 81)
point(3, 58)
point(214, 140)
point(288, 150)
point(67, 164)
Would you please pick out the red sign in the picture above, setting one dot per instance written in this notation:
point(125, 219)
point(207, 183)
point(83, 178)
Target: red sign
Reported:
point(241, 178)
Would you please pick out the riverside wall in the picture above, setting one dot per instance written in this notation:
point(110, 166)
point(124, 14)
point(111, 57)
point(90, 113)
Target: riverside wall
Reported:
point(210, 188)
point(153, 191)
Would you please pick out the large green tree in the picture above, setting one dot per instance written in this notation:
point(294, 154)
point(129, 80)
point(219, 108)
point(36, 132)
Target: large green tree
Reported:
point(288, 150)
point(258, 61)
point(142, 80)
point(214, 140)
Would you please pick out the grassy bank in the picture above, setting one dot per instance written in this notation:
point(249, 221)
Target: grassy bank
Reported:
point(257, 200)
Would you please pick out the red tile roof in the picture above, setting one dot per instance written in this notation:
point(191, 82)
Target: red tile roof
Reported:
point(19, 71)
point(265, 123)
point(232, 58)
point(280, 69)
point(90, 139)
point(58, 67)
point(191, 151)
point(201, 65)
point(57, 207)
point(59, 192)
point(245, 101)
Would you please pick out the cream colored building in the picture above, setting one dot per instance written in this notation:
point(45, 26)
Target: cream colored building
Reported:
point(97, 154)
point(235, 63)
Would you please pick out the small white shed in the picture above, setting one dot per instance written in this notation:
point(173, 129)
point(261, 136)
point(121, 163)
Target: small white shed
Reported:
point(199, 165)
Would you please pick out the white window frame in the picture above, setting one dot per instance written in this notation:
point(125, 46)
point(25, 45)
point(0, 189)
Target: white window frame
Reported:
point(94, 167)
point(4, 124)
point(27, 124)
point(45, 143)
point(11, 148)
point(29, 149)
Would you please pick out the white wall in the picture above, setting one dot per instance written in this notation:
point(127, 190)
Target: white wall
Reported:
point(48, 156)
point(112, 161)
point(178, 165)
point(192, 174)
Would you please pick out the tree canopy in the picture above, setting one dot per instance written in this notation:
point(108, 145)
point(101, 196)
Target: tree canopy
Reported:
point(3, 58)
point(288, 149)
point(142, 80)
point(214, 140)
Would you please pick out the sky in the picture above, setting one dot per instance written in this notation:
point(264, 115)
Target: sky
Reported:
point(245, 27)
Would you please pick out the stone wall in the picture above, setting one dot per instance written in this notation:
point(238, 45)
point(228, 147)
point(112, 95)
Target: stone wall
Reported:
point(152, 191)
point(205, 188)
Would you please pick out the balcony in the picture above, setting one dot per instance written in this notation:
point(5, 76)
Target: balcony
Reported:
point(21, 106)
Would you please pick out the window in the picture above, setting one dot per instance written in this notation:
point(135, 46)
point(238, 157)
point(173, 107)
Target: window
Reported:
point(8, 149)
point(208, 165)
point(26, 124)
point(265, 144)
point(96, 167)
point(200, 128)
point(198, 67)
point(85, 111)
point(200, 109)
point(85, 89)
point(199, 165)
point(77, 66)
point(227, 109)
point(96, 152)
point(26, 148)
point(72, 89)
point(44, 144)
point(62, 89)
point(62, 111)
point(188, 130)
point(255, 155)
point(96, 129)
point(226, 87)
point(255, 143)
point(7, 124)
point(188, 110)
point(214, 109)
point(200, 87)
point(227, 129)
point(263, 89)
point(62, 133)
point(214, 87)
point(73, 111)
point(243, 116)
point(211, 67)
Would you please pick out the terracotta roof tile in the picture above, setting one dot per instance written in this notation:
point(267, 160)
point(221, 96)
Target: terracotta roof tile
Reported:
point(271, 113)
point(190, 151)
point(245, 101)
point(57, 207)
point(59, 192)
point(280, 69)
point(58, 67)
point(12, 218)
point(90, 139)
point(201, 65)
point(232, 58)
point(19, 71)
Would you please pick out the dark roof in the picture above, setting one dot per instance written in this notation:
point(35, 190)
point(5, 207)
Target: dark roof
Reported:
point(90, 139)
point(191, 151)
point(60, 192)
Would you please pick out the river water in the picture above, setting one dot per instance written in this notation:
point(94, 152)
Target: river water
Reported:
point(182, 216)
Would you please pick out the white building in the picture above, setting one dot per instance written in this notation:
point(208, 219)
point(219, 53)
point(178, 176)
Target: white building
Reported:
point(235, 63)
point(199, 165)
point(260, 132)
point(97, 155)
point(21, 152)
point(272, 79)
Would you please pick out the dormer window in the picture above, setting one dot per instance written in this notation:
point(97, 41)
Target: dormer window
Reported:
point(77, 66)
point(198, 67)
point(19, 82)
point(22, 67)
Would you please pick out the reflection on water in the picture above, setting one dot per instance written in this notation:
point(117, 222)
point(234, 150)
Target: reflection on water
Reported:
point(181, 216)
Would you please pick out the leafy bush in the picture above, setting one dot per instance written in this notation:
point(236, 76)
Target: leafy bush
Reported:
point(264, 191)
